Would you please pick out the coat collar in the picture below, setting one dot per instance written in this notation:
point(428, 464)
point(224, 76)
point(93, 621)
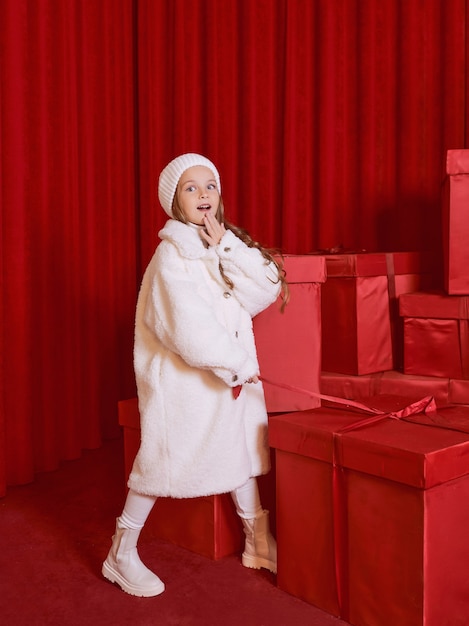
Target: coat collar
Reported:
point(186, 239)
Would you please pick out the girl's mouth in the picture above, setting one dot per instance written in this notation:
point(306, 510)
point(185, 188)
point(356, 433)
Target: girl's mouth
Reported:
point(204, 207)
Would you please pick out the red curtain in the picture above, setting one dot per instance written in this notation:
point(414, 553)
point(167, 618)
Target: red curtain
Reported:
point(329, 121)
point(68, 227)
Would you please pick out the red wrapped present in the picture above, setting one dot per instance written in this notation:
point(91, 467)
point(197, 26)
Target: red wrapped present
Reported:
point(391, 382)
point(436, 334)
point(372, 523)
point(207, 525)
point(361, 329)
point(456, 223)
point(289, 343)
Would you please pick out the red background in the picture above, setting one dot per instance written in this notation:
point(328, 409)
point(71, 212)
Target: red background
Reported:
point(329, 122)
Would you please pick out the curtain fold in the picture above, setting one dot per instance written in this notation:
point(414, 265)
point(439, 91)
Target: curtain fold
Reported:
point(329, 122)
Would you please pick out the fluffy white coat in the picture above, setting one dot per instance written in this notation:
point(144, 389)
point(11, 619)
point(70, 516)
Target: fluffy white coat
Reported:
point(193, 343)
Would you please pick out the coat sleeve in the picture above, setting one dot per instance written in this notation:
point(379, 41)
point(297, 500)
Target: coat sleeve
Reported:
point(256, 281)
point(186, 324)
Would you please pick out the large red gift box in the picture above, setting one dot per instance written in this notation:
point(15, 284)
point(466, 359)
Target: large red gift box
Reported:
point(436, 334)
point(361, 331)
point(207, 525)
point(380, 537)
point(289, 343)
point(456, 223)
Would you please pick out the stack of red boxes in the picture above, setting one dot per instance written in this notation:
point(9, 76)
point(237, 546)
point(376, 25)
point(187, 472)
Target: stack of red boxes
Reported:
point(289, 351)
point(431, 347)
point(371, 521)
point(436, 325)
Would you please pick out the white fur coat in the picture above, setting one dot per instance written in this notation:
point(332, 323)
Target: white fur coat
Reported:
point(193, 343)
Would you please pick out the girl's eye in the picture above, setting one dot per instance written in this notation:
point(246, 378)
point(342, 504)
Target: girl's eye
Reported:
point(190, 188)
point(211, 186)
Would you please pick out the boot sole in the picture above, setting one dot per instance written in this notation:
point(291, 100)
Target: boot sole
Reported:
point(114, 577)
point(255, 562)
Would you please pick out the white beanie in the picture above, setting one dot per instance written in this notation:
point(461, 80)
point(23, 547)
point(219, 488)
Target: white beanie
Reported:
point(171, 174)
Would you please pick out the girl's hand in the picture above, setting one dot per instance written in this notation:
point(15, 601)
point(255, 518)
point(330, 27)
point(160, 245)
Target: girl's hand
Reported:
point(254, 379)
point(214, 231)
point(237, 390)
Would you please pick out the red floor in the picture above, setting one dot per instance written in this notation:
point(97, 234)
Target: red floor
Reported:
point(55, 533)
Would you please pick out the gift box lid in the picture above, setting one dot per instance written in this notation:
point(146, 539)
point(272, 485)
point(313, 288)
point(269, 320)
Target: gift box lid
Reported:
point(304, 268)
point(311, 432)
point(377, 264)
point(437, 305)
point(457, 162)
point(416, 454)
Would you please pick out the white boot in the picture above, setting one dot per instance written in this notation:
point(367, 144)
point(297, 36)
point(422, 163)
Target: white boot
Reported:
point(124, 567)
point(260, 549)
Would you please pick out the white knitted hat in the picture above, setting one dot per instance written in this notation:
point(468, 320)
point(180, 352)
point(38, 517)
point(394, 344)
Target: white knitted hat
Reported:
point(171, 174)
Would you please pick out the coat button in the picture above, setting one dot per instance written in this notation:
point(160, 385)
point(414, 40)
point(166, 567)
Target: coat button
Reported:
point(227, 294)
point(227, 249)
point(235, 378)
point(236, 334)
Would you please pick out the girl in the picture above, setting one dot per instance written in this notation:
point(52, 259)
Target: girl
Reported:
point(202, 408)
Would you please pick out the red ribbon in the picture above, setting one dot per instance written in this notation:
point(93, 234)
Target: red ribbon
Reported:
point(313, 394)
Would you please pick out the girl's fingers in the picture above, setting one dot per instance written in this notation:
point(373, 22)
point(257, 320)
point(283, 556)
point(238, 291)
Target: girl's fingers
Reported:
point(215, 230)
point(254, 379)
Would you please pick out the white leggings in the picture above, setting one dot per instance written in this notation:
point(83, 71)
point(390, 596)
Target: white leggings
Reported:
point(247, 500)
point(138, 506)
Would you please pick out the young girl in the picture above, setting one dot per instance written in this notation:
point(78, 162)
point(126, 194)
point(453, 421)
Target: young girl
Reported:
point(202, 408)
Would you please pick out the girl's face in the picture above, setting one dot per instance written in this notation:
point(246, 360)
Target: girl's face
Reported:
point(197, 194)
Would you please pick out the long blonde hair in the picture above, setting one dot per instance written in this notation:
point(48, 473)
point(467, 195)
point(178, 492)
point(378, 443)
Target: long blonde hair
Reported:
point(271, 256)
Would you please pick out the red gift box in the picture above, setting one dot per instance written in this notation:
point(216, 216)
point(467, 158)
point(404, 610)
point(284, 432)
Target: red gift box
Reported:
point(289, 343)
point(456, 222)
point(391, 382)
point(361, 329)
point(207, 525)
point(436, 334)
point(399, 513)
